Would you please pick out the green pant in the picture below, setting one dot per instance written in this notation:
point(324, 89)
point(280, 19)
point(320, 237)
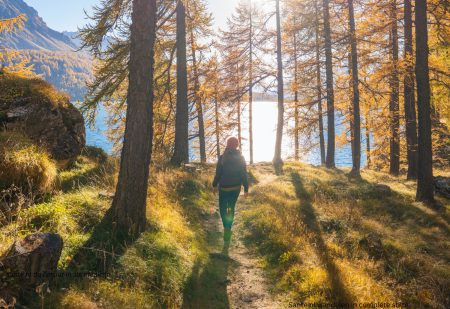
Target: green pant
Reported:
point(227, 203)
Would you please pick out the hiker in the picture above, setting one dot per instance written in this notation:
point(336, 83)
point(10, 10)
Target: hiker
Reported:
point(231, 175)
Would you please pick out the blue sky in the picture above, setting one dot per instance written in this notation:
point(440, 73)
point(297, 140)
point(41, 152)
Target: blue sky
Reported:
point(68, 14)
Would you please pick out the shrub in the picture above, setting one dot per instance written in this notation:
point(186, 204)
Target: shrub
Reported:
point(25, 165)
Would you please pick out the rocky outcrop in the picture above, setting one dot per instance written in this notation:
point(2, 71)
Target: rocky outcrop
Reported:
point(36, 109)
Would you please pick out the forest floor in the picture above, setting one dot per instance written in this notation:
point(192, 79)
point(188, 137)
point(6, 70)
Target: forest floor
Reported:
point(308, 236)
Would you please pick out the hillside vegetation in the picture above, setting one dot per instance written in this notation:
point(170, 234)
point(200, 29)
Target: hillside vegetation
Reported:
point(25, 165)
point(320, 238)
point(327, 238)
point(67, 71)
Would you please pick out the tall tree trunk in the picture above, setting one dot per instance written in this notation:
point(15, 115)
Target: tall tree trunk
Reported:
point(319, 88)
point(425, 189)
point(198, 102)
point(296, 103)
point(410, 105)
point(331, 147)
point(238, 103)
point(181, 151)
point(239, 122)
point(216, 114)
point(394, 97)
point(277, 161)
point(129, 204)
point(250, 89)
point(368, 139)
point(356, 138)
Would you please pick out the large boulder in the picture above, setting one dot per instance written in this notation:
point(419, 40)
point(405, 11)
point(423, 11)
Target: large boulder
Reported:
point(32, 260)
point(36, 109)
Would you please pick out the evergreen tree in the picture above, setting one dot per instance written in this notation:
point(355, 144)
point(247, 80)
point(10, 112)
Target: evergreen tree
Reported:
point(181, 149)
point(425, 188)
point(277, 161)
point(409, 96)
point(129, 204)
point(330, 87)
point(356, 128)
point(394, 111)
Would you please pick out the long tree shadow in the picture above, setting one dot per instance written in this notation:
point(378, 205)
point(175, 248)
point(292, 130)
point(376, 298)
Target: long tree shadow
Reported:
point(97, 256)
point(339, 292)
point(207, 285)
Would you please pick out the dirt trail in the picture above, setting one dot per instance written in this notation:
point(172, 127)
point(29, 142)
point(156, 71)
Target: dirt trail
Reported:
point(233, 276)
point(247, 286)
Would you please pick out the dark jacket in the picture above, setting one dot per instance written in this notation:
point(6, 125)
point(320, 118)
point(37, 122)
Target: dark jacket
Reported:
point(231, 170)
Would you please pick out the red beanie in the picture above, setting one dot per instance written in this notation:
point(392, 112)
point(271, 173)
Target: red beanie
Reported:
point(232, 143)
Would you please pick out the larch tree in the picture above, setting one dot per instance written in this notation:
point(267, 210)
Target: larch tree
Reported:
point(295, 89)
point(129, 204)
point(409, 96)
point(277, 161)
point(213, 87)
point(425, 187)
point(10, 60)
point(110, 22)
point(331, 145)
point(394, 111)
point(181, 148)
point(356, 126)
point(244, 39)
point(250, 82)
point(302, 51)
point(292, 41)
point(199, 26)
point(318, 48)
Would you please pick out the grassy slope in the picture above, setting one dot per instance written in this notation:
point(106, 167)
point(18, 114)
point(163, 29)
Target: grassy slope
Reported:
point(310, 226)
point(325, 238)
point(152, 272)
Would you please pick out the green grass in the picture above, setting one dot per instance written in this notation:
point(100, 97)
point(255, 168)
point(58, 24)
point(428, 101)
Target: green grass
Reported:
point(317, 231)
point(151, 272)
point(325, 237)
point(25, 165)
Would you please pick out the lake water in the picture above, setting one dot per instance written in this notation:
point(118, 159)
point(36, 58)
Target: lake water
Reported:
point(264, 130)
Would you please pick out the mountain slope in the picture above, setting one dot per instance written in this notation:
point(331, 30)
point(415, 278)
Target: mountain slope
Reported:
point(52, 54)
point(36, 34)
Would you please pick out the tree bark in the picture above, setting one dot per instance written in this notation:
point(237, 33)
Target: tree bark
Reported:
point(425, 189)
point(181, 149)
point(129, 204)
point(296, 103)
point(368, 139)
point(394, 97)
point(238, 103)
point(410, 105)
point(356, 138)
point(331, 147)
point(319, 88)
point(216, 113)
point(198, 102)
point(239, 123)
point(277, 161)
